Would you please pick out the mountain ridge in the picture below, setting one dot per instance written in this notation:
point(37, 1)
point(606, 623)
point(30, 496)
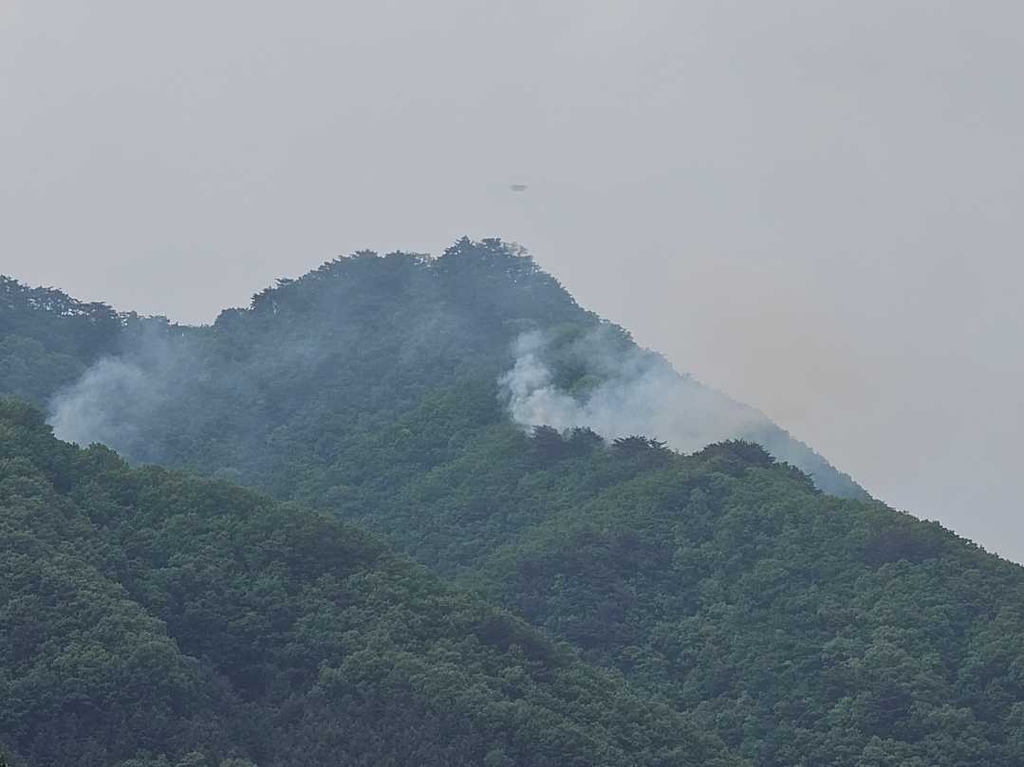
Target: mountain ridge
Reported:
point(511, 279)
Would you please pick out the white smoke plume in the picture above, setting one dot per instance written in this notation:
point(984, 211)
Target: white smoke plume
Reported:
point(103, 404)
point(635, 392)
point(117, 399)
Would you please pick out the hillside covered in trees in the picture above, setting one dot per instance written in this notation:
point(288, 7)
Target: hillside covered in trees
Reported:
point(150, 618)
point(619, 518)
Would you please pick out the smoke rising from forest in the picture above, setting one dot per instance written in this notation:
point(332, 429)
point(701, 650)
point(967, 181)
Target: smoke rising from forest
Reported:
point(154, 402)
point(622, 391)
point(836, 226)
point(83, 413)
point(117, 400)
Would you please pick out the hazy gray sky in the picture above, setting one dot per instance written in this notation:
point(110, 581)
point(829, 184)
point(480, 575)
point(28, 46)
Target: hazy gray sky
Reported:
point(815, 206)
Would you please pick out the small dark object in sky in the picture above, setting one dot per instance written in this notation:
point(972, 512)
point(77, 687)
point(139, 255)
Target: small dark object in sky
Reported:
point(517, 187)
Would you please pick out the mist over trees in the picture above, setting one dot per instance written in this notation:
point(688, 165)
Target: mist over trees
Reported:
point(361, 340)
point(583, 592)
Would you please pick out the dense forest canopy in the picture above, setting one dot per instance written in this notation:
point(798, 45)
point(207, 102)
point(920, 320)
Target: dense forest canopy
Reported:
point(150, 618)
point(469, 413)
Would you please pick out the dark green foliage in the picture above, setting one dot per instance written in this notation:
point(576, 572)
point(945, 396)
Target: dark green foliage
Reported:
point(47, 339)
point(802, 628)
point(148, 618)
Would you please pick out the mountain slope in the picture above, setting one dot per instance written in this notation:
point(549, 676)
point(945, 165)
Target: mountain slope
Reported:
point(454, 405)
point(147, 613)
point(804, 629)
point(316, 363)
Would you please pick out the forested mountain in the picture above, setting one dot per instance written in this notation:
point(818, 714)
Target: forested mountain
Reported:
point(151, 619)
point(468, 411)
point(317, 367)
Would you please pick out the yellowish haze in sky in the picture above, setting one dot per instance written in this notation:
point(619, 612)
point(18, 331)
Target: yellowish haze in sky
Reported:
point(814, 206)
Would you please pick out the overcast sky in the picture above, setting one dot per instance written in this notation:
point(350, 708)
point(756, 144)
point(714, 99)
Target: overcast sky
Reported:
point(813, 206)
